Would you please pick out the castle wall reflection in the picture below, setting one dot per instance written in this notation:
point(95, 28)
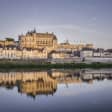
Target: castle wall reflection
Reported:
point(46, 82)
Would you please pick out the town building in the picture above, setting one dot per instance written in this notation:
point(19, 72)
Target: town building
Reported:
point(98, 52)
point(66, 46)
point(12, 52)
point(86, 53)
point(108, 53)
point(35, 45)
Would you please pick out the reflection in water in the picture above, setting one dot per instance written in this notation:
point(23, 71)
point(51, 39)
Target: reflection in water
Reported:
point(45, 82)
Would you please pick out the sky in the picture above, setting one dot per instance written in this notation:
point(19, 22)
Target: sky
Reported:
point(79, 21)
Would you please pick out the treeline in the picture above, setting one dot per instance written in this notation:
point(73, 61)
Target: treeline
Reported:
point(11, 65)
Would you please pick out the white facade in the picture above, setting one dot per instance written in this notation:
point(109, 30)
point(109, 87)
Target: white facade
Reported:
point(60, 55)
point(107, 54)
point(13, 53)
point(98, 54)
point(86, 53)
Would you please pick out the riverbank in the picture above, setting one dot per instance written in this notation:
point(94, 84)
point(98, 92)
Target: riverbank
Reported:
point(28, 65)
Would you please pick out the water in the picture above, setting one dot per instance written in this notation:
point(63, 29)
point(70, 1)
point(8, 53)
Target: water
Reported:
point(56, 91)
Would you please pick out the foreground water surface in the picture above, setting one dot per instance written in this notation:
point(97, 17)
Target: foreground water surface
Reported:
point(56, 91)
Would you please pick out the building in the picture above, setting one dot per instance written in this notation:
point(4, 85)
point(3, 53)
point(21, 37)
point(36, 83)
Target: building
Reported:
point(49, 41)
point(108, 53)
point(60, 54)
point(35, 45)
point(13, 52)
point(7, 42)
point(38, 40)
point(73, 47)
point(86, 53)
point(98, 52)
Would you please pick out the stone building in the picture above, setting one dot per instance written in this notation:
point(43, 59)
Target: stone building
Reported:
point(73, 47)
point(38, 40)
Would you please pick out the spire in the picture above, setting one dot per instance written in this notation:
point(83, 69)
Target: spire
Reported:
point(67, 41)
point(34, 31)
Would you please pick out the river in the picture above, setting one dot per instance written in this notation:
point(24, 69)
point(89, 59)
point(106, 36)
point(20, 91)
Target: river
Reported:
point(56, 90)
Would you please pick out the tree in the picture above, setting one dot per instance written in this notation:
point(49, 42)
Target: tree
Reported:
point(9, 39)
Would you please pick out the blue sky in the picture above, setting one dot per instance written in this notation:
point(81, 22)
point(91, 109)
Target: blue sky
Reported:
point(88, 21)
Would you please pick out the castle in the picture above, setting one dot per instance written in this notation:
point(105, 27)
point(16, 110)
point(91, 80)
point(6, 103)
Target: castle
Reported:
point(35, 45)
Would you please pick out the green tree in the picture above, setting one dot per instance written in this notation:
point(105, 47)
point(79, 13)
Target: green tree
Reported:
point(9, 39)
